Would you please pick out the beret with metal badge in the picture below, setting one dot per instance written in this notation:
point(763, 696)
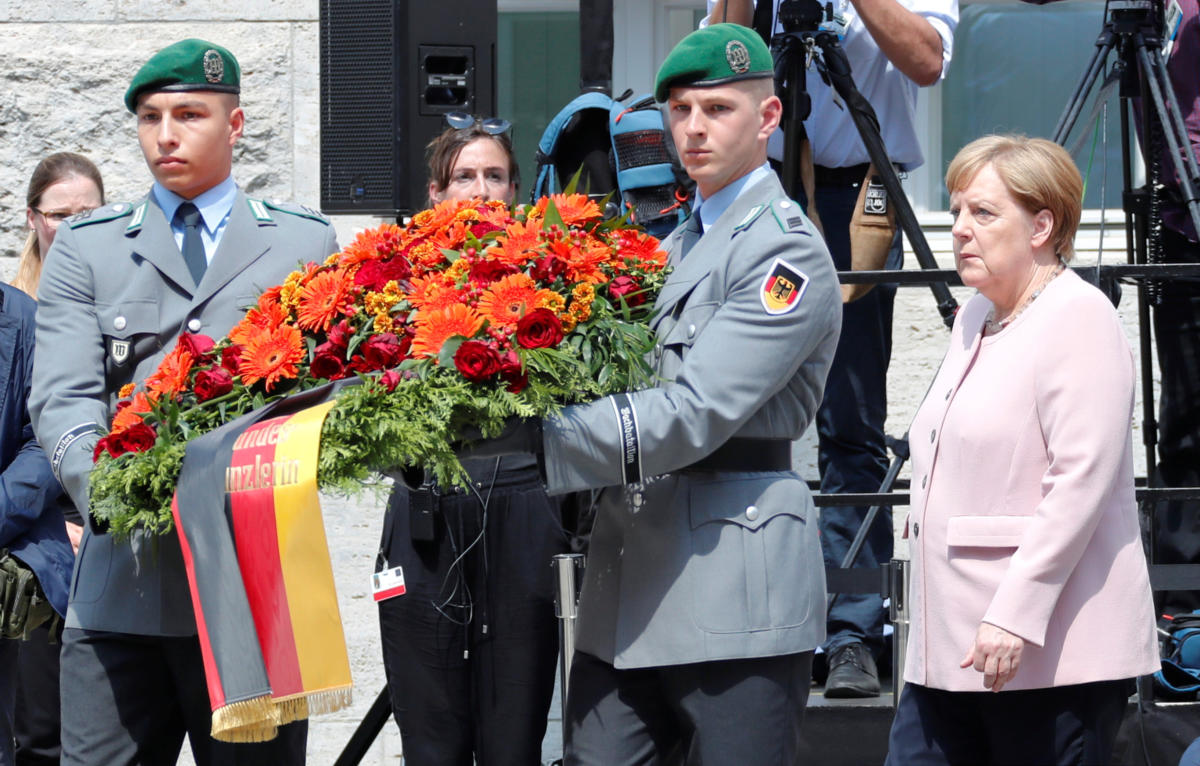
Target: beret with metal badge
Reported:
point(186, 66)
point(714, 55)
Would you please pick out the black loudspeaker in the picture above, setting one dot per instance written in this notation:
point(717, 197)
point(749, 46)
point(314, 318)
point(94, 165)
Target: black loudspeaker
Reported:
point(390, 71)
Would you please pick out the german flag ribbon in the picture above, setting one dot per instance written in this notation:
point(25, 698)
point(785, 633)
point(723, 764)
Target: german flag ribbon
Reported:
point(258, 567)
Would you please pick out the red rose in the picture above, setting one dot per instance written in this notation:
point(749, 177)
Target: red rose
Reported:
point(197, 345)
point(512, 373)
point(213, 383)
point(379, 352)
point(339, 335)
point(547, 269)
point(477, 361)
point(230, 357)
point(486, 272)
point(327, 362)
point(390, 380)
point(482, 228)
point(374, 275)
point(100, 448)
point(628, 288)
point(539, 328)
point(137, 438)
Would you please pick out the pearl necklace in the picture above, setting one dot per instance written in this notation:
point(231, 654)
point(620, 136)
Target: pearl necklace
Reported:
point(991, 326)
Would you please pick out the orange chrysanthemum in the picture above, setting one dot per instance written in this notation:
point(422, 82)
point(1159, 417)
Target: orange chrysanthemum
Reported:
point(425, 256)
point(433, 292)
point(373, 245)
point(132, 414)
point(573, 209)
point(271, 355)
point(509, 299)
point(517, 245)
point(171, 377)
point(321, 300)
point(435, 328)
point(126, 390)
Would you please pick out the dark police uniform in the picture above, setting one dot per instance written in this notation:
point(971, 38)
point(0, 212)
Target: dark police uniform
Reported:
point(704, 590)
point(114, 296)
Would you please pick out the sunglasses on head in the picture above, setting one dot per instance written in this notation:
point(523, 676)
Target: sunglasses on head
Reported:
point(493, 126)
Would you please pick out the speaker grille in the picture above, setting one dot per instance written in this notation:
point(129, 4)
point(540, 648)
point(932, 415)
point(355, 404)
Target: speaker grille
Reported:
point(359, 96)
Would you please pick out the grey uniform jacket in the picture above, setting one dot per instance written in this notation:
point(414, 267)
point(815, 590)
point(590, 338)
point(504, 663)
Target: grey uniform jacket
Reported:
point(114, 296)
point(688, 566)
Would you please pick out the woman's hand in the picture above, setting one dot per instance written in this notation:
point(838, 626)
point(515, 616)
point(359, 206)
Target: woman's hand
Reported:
point(996, 653)
point(75, 535)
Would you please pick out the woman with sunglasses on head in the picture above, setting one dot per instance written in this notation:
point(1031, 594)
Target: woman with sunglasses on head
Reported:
point(470, 648)
point(62, 185)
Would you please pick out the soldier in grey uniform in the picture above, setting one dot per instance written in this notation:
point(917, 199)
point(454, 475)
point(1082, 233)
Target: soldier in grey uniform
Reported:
point(120, 285)
point(703, 598)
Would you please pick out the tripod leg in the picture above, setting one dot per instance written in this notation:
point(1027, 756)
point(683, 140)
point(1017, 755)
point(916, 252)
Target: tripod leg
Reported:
point(1172, 125)
point(368, 729)
point(1066, 123)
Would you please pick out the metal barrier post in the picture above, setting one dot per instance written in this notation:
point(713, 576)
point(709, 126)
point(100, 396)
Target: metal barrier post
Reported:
point(899, 617)
point(566, 602)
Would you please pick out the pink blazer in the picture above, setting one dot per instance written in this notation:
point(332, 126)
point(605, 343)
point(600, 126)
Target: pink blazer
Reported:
point(1023, 510)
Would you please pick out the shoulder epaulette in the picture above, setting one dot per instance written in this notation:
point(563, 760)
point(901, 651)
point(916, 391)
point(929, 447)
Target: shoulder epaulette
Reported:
point(291, 208)
point(101, 214)
point(790, 216)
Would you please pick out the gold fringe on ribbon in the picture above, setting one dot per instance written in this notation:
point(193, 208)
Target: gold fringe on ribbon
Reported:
point(259, 719)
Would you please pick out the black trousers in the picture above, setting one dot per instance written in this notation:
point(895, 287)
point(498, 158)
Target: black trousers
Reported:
point(129, 699)
point(1177, 340)
point(1061, 726)
point(703, 714)
point(36, 723)
point(471, 648)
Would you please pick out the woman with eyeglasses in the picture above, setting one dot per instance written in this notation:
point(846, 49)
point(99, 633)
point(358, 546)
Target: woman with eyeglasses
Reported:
point(37, 530)
point(471, 647)
point(62, 185)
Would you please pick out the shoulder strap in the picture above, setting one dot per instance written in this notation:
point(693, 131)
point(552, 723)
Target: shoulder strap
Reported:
point(547, 179)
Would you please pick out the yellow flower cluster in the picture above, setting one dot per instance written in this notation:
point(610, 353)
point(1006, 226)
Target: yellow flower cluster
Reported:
point(289, 294)
point(381, 304)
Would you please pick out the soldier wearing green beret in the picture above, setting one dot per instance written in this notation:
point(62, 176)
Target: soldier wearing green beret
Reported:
point(120, 285)
point(704, 591)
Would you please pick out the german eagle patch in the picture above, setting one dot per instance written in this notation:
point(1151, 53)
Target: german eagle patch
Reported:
point(782, 288)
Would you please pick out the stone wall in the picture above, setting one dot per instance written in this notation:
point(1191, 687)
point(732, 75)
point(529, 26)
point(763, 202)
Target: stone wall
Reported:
point(67, 64)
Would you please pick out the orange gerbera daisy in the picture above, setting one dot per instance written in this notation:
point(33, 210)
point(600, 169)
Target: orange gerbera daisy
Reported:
point(171, 377)
point(517, 245)
point(321, 300)
point(131, 414)
point(373, 244)
point(643, 249)
point(582, 263)
point(508, 299)
point(433, 292)
point(453, 237)
point(440, 215)
point(496, 213)
point(271, 355)
point(573, 209)
point(263, 318)
point(437, 327)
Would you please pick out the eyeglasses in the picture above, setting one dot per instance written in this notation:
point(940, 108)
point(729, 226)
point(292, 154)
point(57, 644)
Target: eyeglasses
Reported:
point(493, 126)
point(58, 216)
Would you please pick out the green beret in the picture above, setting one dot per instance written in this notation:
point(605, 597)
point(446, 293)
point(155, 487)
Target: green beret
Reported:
point(186, 65)
point(714, 55)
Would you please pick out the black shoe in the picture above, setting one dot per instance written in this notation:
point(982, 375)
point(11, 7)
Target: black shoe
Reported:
point(852, 673)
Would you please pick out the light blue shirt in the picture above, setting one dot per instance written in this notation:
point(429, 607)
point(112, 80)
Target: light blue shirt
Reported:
point(711, 209)
point(214, 205)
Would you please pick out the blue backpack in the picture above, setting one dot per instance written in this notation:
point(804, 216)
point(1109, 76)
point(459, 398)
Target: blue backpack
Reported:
point(618, 149)
point(1180, 673)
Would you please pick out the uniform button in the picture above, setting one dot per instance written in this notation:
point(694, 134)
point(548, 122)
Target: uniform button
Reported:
point(119, 323)
point(691, 331)
point(118, 207)
point(785, 204)
point(923, 480)
point(194, 325)
point(916, 529)
point(752, 512)
point(638, 499)
point(933, 436)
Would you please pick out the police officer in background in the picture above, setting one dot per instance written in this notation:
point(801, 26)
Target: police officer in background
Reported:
point(701, 602)
point(120, 284)
point(893, 46)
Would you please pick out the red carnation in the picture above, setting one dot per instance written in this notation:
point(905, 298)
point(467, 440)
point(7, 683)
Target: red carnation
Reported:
point(486, 272)
point(483, 228)
point(339, 335)
point(197, 345)
point(547, 269)
point(539, 328)
point(628, 288)
point(512, 373)
point(390, 380)
point(374, 275)
point(379, 352)
point(230, 357)
point(327, 362)
point(477, 361)
point(213, 383)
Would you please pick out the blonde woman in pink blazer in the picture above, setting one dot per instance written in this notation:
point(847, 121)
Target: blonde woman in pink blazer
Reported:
point(1030, 600)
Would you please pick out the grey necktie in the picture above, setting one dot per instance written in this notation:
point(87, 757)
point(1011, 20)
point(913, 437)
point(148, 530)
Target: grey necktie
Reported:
point(193, 246)
point(692, 231)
